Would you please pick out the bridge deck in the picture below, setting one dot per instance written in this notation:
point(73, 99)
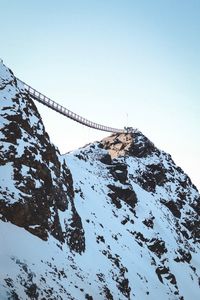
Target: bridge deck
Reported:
point(64, 111)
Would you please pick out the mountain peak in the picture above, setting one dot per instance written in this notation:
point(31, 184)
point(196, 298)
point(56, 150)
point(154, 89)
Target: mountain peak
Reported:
point(116, 219)
point(133, 144)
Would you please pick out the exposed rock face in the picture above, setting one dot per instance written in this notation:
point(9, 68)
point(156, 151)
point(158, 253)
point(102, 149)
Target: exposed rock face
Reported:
point(116, 219)
point(132, 144)
point(156, 172)
point(42, 185)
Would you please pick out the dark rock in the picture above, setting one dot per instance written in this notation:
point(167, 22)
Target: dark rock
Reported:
point(127, 195)
point(196, 205)
point(44, 185)
point(172, 207)
point(139, 237)
point(119, 172)
point(149, 222)
point(157, 246)
point(161, 271)
point(108, 294)
point(75, 233)
point(106, 159)
point(193, 225)
point(183, 256)
point(141, 146)
point(153, 175)
point(88, 297)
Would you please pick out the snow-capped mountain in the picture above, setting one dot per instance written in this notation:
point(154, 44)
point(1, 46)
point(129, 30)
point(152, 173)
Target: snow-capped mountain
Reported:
point(116, 219)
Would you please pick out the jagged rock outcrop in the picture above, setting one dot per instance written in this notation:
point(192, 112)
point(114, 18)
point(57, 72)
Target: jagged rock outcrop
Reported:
point(116, 219)
point(42, 184)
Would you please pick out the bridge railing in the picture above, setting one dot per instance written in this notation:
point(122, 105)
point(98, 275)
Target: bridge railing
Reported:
point(64, 111)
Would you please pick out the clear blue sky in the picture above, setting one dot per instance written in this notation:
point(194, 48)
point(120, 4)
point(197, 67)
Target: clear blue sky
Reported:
point(118, 63)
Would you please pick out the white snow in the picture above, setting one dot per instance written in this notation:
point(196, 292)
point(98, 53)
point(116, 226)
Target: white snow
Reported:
point(117, 240)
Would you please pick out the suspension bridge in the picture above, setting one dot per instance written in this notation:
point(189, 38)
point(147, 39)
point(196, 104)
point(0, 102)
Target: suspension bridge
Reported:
point(68, 113)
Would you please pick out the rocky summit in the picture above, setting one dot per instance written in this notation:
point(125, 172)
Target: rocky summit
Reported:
point(116, 219)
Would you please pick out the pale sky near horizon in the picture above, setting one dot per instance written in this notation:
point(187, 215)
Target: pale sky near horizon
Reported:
point(117, 63)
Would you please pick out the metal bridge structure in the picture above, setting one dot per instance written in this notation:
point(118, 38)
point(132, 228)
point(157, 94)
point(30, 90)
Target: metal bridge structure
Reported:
point(66, 112)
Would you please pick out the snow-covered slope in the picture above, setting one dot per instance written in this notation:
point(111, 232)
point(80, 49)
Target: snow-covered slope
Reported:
point(116, 219)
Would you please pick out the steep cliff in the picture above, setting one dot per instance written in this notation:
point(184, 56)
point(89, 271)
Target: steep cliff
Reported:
point(36, 186)
point(116, 219)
